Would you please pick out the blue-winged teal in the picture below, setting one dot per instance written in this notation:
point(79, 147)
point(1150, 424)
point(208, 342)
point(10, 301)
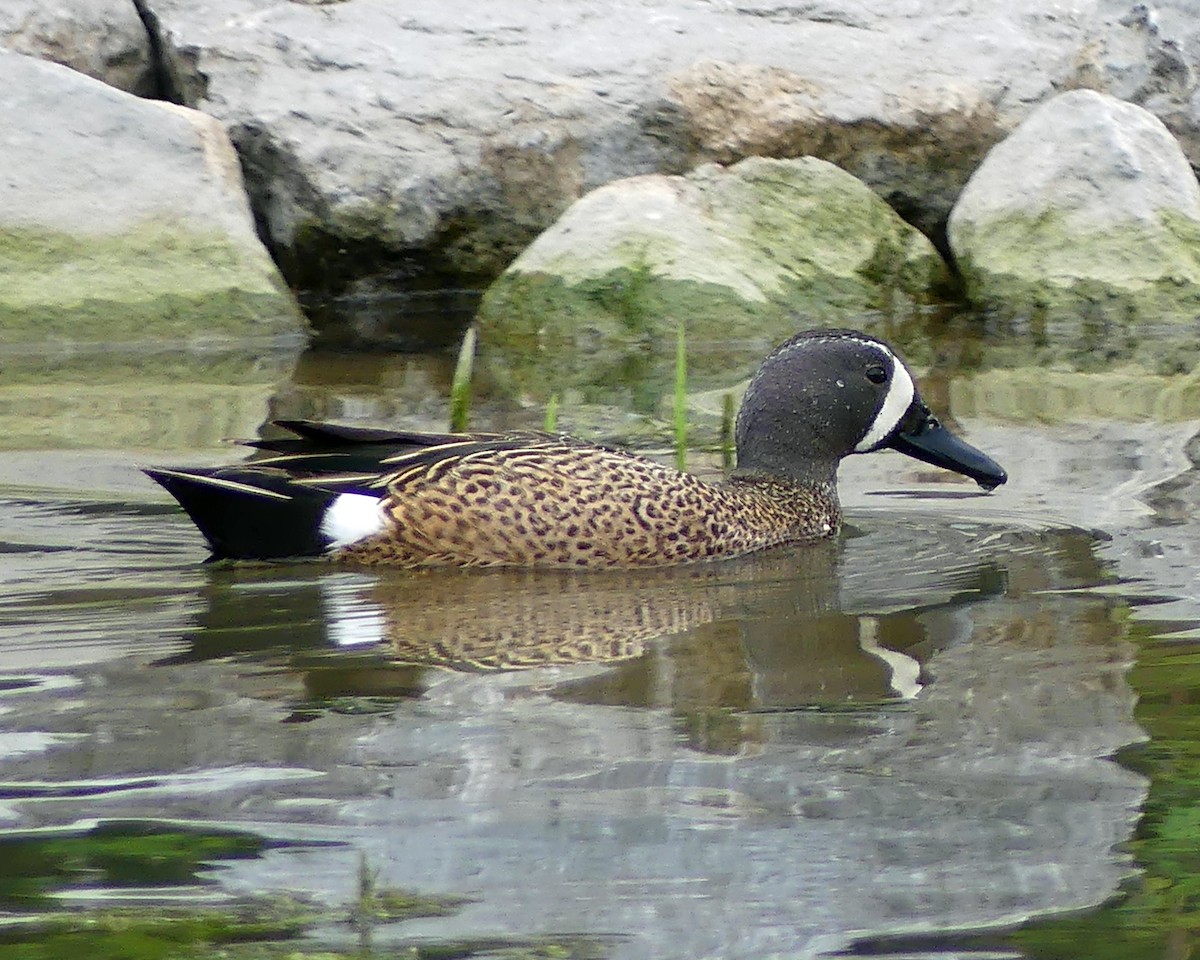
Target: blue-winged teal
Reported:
point(408, 499)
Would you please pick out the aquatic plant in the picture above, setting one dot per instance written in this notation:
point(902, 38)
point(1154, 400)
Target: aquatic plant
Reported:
point(460, 384)
point(680, 400)
point(726, 443)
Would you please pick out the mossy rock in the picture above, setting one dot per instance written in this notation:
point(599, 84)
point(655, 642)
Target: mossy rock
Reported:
point(1039, 265)
point(155, 282)
point(1089, 209)
point(748, 253)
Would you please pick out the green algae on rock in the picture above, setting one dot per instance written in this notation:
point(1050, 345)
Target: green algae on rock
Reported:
point(154, 282)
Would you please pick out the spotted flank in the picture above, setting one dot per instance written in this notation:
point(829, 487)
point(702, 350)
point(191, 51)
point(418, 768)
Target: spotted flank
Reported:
point(556, 503)
point(377, 496)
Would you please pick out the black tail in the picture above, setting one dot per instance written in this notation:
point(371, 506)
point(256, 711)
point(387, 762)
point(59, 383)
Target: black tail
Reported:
point(249, 513)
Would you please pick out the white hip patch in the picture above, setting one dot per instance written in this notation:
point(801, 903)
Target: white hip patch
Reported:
point(350, 518)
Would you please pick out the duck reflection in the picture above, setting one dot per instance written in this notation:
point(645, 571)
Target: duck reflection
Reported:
point(773, 631)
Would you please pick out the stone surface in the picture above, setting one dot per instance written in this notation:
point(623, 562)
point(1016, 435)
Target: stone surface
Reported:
point(382, 140)
point(737, 251)
point(1089, 205)
point(138, 230)
point(105, 39)
point(1150, 55)
point(388, 145)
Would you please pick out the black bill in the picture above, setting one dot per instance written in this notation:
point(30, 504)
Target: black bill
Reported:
point(922, 437)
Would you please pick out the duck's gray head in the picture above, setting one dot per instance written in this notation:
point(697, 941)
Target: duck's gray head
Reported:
point(825, 394)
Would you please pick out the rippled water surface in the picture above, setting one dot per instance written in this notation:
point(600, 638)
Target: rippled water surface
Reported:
point(888, 744)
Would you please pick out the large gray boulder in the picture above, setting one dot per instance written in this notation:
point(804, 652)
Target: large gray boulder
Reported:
point(123, 219)
point(1088, 208)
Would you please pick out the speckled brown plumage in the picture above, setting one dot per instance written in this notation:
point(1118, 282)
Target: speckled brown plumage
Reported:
point(558, 503)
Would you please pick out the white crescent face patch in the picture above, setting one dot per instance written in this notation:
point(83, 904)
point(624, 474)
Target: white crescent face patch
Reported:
point(900, 395)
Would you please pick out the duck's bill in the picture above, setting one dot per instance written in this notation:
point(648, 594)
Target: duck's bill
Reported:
point(924, 438)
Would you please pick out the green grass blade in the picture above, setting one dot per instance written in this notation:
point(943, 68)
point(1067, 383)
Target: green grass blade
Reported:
point(727, 449)
point(460, 386)
point(680, 405)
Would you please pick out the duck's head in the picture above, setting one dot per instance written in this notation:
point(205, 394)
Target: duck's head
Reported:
point(825, 394)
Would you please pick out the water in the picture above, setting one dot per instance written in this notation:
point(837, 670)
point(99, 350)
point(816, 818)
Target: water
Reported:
point(886, 745)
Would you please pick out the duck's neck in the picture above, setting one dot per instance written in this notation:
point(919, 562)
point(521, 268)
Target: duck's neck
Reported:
point(818, 478)
point(788, 509)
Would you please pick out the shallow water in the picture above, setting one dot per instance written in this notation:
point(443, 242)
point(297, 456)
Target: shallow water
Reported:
point(906, 734)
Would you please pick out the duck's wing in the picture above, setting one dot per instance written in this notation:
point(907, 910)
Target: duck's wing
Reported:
point(337, 456)
point(316, 436)
point(277, 506)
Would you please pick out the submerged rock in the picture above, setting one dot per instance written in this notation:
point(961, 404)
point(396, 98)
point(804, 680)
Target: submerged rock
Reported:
point(728, 252)
point(1091, 207)
point(123, 219)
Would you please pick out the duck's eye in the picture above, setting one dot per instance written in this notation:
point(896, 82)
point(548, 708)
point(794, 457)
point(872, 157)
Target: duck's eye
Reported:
point(876, 374)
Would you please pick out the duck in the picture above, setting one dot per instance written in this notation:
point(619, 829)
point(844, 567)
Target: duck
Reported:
point(373, 496)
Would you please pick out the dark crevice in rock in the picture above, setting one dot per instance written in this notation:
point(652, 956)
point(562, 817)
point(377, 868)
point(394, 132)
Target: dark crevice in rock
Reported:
point(360, 291)
point(267, 169)
point(164, 87)
point(177, 77)
point(337, 277)
point(355, 291)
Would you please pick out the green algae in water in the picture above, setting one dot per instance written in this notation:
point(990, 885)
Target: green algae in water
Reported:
point(153, 933)
point(113, 854)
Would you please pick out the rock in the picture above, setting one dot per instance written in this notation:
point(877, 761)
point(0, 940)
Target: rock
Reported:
point(1150, 55)
point(105, 39)
point(1089, 206)
point(738, 251)
point(123, 219)
point(383, 140)
point(388, 144)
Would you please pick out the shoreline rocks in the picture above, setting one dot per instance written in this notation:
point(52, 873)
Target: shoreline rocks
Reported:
point(723, 250)
point(387, 147)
